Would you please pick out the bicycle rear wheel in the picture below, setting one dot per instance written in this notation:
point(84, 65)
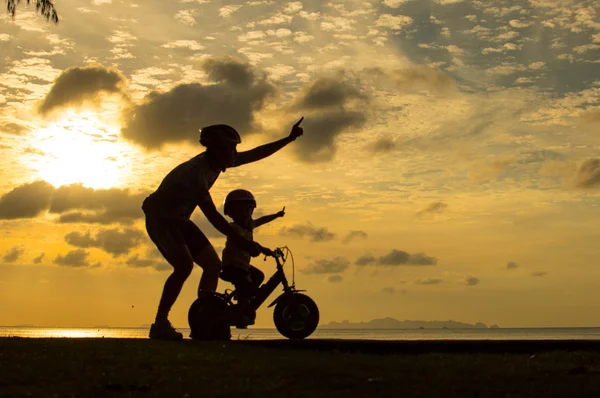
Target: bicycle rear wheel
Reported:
point(208, 318)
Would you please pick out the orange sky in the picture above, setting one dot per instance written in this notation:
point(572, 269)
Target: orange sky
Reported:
point(449, 167)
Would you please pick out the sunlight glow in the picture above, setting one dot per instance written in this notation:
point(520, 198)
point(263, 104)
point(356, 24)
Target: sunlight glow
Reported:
point(79, 149)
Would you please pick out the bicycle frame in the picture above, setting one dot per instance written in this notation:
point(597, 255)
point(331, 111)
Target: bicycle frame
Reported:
point(265, 290)
point(268, 287)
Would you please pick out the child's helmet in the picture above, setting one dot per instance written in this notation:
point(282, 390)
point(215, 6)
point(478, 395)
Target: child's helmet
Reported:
point(237, 195)
point(220, 135)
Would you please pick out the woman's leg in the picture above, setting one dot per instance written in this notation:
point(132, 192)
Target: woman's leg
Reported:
point(203, 253)
point(209, 260)
point(182, 268)
point(169, 241)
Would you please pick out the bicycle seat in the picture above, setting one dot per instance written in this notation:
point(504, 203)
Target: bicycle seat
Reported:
point(226, 274)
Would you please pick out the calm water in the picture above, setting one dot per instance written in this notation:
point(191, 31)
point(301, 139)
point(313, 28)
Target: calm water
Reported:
point(388, 334)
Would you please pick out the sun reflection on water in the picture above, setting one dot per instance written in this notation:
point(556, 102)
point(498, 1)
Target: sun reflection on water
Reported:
point(53, 332)
point(75, 333)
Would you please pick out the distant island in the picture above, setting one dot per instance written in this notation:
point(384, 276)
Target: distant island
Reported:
point(391, 323)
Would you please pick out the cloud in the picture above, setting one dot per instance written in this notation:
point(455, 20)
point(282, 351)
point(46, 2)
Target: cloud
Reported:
point(75, 258)
point(393, 290)
point(472, 281)
point(592, 116)
point(383, 145)
point(365, 260)
point(252, 35)
point(74, 203)
point(100, 206)
point(562, 169)
point(511, 265)
point(187, 16)
point(122, 41)
point(26, 201)
point(237, 93)
point(293, 6)
point(332, 105)
point(429, 281)
point(309, 231)
point(491, 170)
point(328, 91)
point(539, 273)
point(228, 70)
point(335, 278)
point(136, 262)
point(76, 85)
point(394, 3)
point(112, 241)
point(354, 234)
point(38, 259)
point(226, 11)
point(588, 174)
point(318, 145)
point(324, 266)
point(397, 258)
point(13, 254)
point(414, 78)
point(12, 128)
point(434, 207)
point(277, 19)
point(420, 259)
point(206, 227)
point(192, 45)
point(515, 23)
point(79, 240)
point(393, 22)
point(338, 103)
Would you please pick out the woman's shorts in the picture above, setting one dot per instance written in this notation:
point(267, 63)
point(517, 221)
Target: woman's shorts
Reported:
point(169, 235)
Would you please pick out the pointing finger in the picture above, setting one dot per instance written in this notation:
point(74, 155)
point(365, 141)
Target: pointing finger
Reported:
point(299, 121)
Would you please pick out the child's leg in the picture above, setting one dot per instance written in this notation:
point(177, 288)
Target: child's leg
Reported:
point(238, 277)
point(243, 285)
point(256, 276)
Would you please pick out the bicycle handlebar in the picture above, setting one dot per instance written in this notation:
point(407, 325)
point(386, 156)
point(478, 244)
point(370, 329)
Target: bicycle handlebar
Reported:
point(277, 253)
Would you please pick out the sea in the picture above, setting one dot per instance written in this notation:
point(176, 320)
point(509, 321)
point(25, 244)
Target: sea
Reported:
point(586, 333)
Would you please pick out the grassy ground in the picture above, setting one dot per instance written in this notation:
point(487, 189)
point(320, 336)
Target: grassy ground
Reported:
point(144, 368)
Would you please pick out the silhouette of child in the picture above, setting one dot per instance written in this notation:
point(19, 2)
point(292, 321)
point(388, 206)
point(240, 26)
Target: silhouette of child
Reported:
point(239, 205)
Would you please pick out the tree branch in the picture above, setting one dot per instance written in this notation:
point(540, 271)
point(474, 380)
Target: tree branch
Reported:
point(44, 7)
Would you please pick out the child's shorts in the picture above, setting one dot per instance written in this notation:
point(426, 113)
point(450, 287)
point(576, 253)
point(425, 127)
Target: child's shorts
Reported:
point(246, 281)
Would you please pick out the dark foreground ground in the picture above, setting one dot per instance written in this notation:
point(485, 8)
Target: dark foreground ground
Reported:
point(311, 368)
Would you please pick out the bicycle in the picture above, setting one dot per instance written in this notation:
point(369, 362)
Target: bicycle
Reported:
point(296, 316)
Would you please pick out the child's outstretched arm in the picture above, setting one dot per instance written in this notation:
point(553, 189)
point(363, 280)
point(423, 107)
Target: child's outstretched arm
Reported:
point(266, 219)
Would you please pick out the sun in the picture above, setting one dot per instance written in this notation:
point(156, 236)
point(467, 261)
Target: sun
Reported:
point(79, 148)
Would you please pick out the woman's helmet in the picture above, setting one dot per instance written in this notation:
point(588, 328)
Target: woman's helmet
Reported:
point(237, 195)
point(219, 135)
